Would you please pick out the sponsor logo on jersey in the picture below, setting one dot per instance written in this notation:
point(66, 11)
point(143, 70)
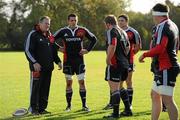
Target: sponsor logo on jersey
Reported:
point(73, 39)
point(80, 33)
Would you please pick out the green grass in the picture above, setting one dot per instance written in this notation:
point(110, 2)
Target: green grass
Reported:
point(14, 89)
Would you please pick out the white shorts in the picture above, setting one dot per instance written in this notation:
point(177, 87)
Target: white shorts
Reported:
point(162, 89)
point(79, 77)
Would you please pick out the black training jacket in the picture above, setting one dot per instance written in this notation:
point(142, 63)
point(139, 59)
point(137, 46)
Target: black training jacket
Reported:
point(41, 49)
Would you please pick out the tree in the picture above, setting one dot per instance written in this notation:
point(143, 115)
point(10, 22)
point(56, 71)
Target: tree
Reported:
point(91, 14)
point(14, 30)
point(3, 24)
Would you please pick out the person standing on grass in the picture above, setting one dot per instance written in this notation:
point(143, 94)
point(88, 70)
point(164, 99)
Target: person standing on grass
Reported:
point(117, 62)
point(72, 37)
point(164, 64)
point(164, 109)
point(41, 52)
point(135, 45)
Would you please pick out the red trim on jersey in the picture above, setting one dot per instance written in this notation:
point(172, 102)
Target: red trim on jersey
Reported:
point(161, 51)
point(114, 41)
point(65, 52)
point(80, 33)
point(131, 38)
point(51, 38)
point(113, 60)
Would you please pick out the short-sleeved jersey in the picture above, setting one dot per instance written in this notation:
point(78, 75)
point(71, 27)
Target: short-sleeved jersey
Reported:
point(134, 38)
point(73, 41)
point(154, 63)
point(165, 44)
point(119, 37)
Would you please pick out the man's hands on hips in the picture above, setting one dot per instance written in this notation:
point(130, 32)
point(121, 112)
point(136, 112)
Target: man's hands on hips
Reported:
point(141, 58)
point(108, 61)
point(61, 49)
point(60, 66)
point(83, 51)
point(37, 67)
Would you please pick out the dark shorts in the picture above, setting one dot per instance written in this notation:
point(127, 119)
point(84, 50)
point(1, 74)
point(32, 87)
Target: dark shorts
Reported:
point(166, 77)
point(74, 66)
point(116, 74)
point(131, 67)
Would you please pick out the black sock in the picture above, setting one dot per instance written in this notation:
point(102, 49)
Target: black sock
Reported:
point(69, 96)
point(110, 99)
point(82, 93)
point(125, 98)
point(130, 94)
point(115, 102)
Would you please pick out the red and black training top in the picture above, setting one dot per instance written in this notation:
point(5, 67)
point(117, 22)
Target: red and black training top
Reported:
point(118, 37)
point(134, 39)
point(72, 40)
point(165, 45)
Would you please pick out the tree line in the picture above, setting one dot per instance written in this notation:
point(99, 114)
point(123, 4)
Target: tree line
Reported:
point(25, 13)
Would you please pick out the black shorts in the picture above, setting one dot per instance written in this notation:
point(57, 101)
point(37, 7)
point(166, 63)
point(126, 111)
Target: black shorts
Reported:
point(116, 74)
point(74, 66)
point(166, 77)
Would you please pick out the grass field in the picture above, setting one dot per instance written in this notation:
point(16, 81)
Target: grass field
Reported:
point(14, 89)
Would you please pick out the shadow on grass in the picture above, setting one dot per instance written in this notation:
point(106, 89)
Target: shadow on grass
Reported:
point(148, 112)
point(79, 114)
point(74, 115)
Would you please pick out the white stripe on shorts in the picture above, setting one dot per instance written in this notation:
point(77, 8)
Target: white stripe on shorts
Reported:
point(108, 72)
point(165, 77)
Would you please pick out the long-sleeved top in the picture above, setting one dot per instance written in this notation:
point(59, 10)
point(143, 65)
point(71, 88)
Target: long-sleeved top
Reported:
point(40, 48)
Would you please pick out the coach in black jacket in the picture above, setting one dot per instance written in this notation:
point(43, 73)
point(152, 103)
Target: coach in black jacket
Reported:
point(41, 52)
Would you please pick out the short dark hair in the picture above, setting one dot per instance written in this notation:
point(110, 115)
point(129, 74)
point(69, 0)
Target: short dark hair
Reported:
point(111, 19)
point(124, 16)
point(41, 19)
point(159, 7)
point(71, 15)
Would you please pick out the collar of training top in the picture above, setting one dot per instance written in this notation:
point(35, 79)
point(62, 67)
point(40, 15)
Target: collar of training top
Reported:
point(37, 28)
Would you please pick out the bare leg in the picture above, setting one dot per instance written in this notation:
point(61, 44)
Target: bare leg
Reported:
point(114, 86)
point(171, 106)
point(69, 84)
point(156, 105)
point(82, 84)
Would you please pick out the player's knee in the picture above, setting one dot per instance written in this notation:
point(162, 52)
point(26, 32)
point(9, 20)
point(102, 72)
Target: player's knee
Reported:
point(82, 84)
point(69, 84)
point(121, 84)
point(167, 100)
